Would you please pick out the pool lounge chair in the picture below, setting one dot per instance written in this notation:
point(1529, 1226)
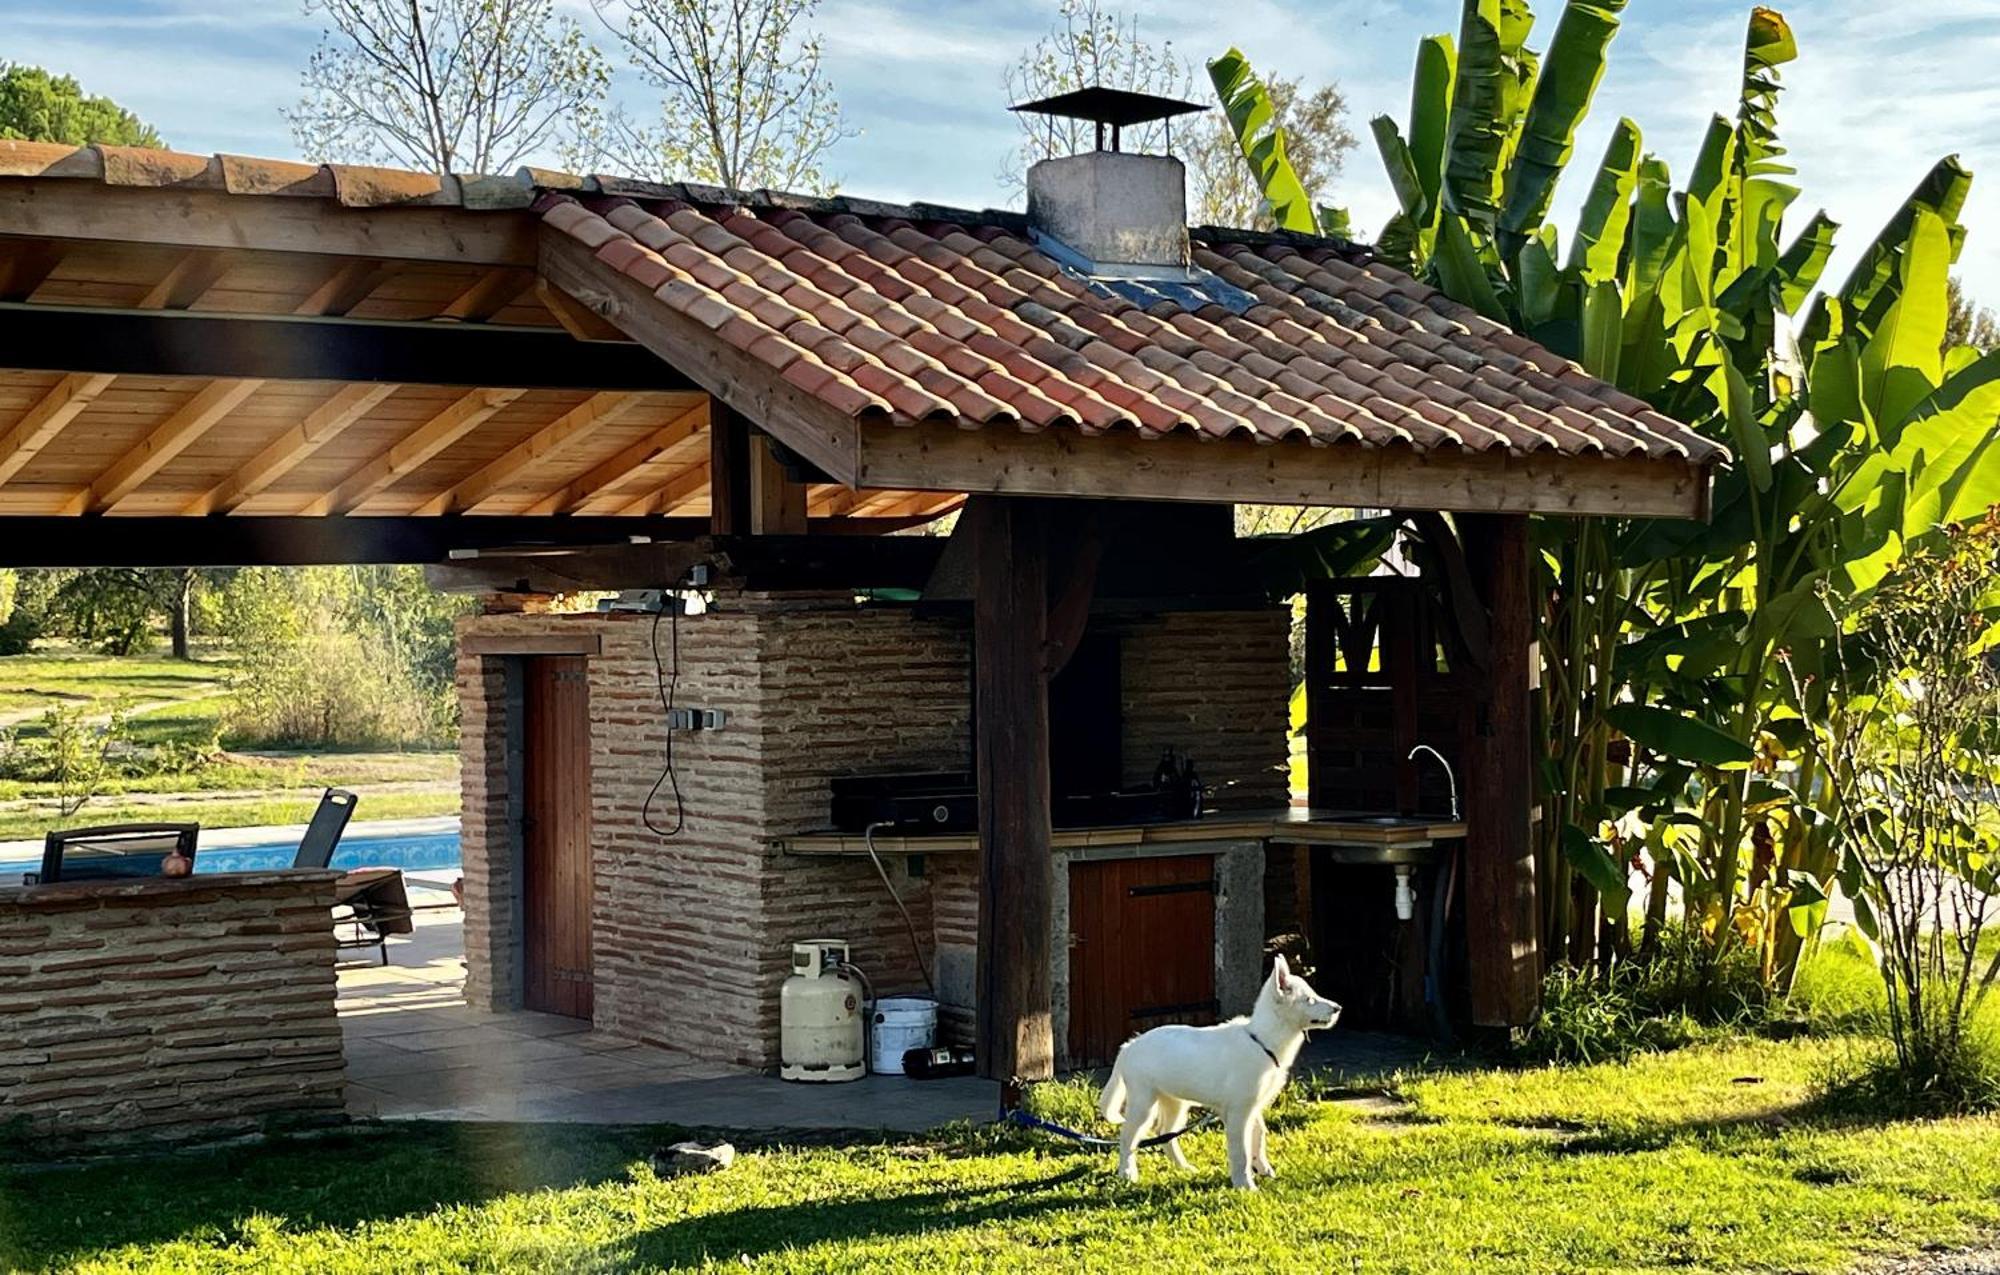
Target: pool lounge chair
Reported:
point(371, 902)
point(114, 852)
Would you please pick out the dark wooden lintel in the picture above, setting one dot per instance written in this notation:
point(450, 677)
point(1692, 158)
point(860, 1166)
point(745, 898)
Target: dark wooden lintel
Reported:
point(220, 541)
point(772, 563)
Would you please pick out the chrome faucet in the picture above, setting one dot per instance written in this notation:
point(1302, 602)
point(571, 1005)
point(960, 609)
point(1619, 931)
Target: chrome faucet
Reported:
point(1449, 777)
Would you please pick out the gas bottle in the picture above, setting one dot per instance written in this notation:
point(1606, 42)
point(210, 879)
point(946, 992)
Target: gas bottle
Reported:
point(822, 1015)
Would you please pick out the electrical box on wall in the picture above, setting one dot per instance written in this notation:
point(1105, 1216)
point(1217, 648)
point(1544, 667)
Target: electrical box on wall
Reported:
point(697, 718)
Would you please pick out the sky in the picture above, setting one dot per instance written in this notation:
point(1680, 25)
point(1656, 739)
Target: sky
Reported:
point(1880, 92)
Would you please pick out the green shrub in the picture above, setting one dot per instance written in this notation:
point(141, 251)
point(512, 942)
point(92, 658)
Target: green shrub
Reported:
point(1661, 1001)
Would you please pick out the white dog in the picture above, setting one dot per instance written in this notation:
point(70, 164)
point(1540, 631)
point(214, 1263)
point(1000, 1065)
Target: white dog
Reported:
point(1234, 1069)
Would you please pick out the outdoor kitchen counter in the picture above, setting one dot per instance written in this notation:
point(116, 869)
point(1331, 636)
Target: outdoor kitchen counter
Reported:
point(1378, 838)
point(162, 1010)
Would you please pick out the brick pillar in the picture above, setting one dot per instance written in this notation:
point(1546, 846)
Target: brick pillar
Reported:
point(486, 837)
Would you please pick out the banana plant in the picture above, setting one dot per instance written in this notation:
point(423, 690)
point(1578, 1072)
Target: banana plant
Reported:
point(1253, 118)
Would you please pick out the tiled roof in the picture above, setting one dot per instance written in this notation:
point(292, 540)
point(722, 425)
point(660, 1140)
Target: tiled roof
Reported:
point(911, 317)
point(917, 312)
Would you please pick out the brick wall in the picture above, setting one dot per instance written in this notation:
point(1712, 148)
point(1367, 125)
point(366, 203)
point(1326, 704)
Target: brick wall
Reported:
point(692, 933)
point(167, 1011)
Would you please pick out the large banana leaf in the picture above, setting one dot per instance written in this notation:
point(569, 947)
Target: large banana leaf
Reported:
point(1903, 360)
point(1563, 91)
point(1253, 119)
point(1430, 111)
point(1871, 286)
point(1488, 100)
point(1801, 265)
point(1679, 735)
point(1607, 210)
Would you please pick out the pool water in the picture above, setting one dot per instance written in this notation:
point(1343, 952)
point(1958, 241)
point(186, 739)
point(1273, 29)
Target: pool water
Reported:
point(432, 851)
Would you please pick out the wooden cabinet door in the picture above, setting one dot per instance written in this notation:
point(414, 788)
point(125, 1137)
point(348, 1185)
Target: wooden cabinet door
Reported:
point(1141, 950)
point(555, 836)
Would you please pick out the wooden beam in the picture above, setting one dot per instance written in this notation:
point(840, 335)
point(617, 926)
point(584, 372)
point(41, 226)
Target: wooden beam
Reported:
point(572, 496)
point(184, 284)
point(728, 471)
point(491, 293)
point(531, 644)
point(831, 501)
point(165, 441)
point(25, 439)
point(1057, 462)
point(1502, 923)
point(681, 490)
point(298, 443)
point(414, 449)
point(571, 314)
point(813, 561)
point(777, 500)
point(67, 209)
point(296, 348)
point(815, 431)
point(543, 445)
point(26, 267)
point(1013, 978)
point(174, 540)
point(346, 286)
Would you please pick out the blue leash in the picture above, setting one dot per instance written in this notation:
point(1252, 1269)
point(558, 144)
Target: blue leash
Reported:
point(1016, 1116)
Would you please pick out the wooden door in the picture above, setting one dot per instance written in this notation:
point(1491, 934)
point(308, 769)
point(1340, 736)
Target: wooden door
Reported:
point(555, 836)
point(1141, 950)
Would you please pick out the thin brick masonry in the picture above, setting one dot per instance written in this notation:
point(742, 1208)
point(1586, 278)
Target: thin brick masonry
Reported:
point(158, 1011)
point(692, 933)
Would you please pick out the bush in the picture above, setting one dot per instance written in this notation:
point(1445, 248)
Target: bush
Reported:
point(74, 756)
point(1661, 1002)
point(340, 658)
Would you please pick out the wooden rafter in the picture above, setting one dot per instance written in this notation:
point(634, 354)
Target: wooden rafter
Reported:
point(680, 490)
point(544, 445)
point(465, 414)
point(183, 285)
point(571, 497)
point(491, 293)
point(26, 267)
point(167, 440)
point(830, 501)
point(297, 444)
point(347, 286)
point(46, 419)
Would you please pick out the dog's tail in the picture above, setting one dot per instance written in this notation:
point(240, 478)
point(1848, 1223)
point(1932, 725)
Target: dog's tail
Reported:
point(1112, 1104)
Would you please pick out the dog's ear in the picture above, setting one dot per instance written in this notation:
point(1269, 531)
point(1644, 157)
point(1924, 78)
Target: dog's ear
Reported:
point(1281, 974)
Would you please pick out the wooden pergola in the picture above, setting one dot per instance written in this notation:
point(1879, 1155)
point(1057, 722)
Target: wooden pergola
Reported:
point(212, 360)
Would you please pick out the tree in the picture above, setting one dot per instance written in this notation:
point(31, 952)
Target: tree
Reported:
point(38, 107)
point(446, 86)
point(744, 101)
point(1967, 323)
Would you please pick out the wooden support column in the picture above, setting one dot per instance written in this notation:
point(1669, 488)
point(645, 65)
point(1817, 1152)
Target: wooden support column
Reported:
point(777, 500)
point(729, 471)
point(1010, 612)
point(1502, 937)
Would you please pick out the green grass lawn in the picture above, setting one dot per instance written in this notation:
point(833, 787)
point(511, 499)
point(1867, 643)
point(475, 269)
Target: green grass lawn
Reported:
point(1707, 1158)
point(57, 675)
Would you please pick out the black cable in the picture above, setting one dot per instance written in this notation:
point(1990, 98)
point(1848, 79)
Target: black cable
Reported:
point(669, 685)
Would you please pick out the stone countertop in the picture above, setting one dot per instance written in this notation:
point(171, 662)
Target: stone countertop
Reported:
point(162, 889)
point(1383, 836)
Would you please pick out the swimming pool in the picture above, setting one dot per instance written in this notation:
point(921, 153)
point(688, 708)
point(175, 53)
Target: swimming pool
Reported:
point(427, 851)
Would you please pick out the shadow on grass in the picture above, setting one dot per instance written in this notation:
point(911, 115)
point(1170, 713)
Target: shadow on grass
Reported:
point(339, 1180)
point(752, 1232)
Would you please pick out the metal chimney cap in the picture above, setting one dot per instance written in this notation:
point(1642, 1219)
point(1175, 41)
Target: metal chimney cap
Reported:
point(1118, 108)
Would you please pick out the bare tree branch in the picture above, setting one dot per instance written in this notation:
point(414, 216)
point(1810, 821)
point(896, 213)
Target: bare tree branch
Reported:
point(448, 86)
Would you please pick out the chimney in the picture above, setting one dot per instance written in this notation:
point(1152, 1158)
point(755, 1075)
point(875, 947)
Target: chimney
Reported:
point(1124, 212)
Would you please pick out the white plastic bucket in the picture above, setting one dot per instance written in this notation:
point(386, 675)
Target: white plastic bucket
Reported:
point(900, 1023)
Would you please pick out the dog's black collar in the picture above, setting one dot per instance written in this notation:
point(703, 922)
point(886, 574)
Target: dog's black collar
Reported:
point(1267, 1051)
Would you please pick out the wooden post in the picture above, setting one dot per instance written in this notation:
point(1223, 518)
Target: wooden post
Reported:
point(728, 471)
point(1011, 746)
point(777, 500)
point(1502, 936)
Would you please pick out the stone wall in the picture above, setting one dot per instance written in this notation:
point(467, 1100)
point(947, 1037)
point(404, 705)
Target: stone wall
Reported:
point(692, 932)
point(160, 1011)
